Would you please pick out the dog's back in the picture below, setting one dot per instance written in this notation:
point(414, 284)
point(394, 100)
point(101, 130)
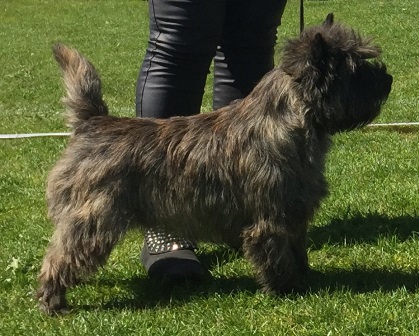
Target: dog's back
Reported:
point(83, 86)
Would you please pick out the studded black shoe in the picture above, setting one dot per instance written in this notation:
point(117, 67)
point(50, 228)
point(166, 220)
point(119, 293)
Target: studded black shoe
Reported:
point(171, 258)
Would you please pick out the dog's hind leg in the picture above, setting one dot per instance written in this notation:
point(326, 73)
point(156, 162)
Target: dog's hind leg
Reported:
point(80, 244)
point(279, 258)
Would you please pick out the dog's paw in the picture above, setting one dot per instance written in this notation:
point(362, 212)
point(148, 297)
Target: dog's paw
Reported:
point(53, 310)
point(52, 304)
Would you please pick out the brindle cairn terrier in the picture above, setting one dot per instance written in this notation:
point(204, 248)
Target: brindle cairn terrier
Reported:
point(249, 174)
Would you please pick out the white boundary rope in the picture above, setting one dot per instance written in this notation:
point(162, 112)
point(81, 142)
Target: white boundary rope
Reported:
point(32, 135)
point(402, 125)
point(407, 124)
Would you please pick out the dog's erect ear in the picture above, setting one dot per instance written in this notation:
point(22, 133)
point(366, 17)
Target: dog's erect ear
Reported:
point(328, 22)
point(319, 52)
point(308, 55)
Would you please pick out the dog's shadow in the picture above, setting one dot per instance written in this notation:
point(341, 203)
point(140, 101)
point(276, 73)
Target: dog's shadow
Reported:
point(147, 293)
point(359, 229)
point(363, 229)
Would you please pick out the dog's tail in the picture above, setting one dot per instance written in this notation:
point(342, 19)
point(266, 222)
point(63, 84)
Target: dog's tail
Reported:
point(83, 86)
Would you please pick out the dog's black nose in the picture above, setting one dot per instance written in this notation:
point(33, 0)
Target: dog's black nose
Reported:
point(388, 81)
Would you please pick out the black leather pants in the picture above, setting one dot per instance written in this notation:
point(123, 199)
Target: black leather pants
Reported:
point(186, 35)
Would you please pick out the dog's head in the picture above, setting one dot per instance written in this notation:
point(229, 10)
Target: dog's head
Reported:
point(338, 76)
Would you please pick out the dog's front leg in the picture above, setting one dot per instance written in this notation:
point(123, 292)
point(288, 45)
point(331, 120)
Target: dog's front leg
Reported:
point(279, 257)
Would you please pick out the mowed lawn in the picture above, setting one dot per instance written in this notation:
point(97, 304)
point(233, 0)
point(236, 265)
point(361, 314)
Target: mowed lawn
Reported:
point(364, 240)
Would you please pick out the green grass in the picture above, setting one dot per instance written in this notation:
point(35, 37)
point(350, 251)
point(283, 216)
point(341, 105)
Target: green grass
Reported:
point(363, 243)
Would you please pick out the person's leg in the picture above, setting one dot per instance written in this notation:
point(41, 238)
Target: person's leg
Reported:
point(246, 51)
point(183, 39)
